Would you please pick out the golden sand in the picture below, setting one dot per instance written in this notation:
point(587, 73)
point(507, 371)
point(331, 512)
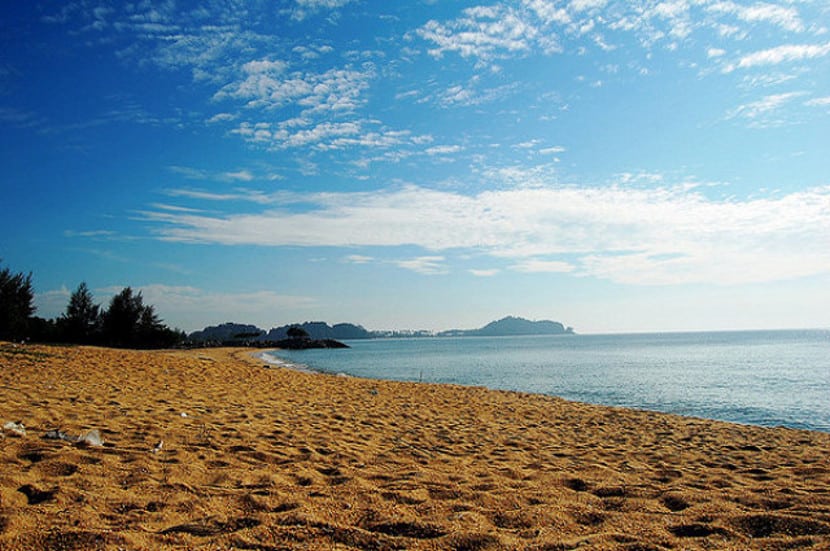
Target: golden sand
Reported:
point(207, 449)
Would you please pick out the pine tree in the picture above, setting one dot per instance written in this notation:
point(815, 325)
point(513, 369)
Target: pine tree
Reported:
point(82, 319)
point(121, 320)
point(16, 304)
point(129, 323)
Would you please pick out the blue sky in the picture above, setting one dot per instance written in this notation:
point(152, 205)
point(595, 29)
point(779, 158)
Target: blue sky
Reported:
point(617, 166)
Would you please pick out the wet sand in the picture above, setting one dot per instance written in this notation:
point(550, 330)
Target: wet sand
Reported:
point(271, 459)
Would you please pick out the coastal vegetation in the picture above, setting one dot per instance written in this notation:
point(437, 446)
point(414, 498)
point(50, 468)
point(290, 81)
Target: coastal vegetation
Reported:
point(126, 322)
point(16, 304)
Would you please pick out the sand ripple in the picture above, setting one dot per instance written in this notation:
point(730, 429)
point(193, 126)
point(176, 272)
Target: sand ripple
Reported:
point(208, 449)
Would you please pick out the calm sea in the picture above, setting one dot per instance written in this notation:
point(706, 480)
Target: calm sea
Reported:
point(771, 378)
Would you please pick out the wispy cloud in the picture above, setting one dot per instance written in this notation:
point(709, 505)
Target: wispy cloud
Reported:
point(191, 173)
point(534, 265)
point(489, 272)
point(91, 234)
point(245, 195)
point(358, 259)
point(764, 112)
point(306, 8)
point(471, 94)
point(780, 54)
point(786, 16)
point(426, 265)
point(819, 102)
point(20, 119)
point(240, 175)
point(630, 234)
point(443, 149)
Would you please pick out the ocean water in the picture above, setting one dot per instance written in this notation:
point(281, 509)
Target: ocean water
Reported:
point(770, 378)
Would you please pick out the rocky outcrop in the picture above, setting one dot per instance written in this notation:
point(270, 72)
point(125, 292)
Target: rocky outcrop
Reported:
point(306, 344)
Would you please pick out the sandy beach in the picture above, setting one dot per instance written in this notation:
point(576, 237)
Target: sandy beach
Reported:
point(209, 449)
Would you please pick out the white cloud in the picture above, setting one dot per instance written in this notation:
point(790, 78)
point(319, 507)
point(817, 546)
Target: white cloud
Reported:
point(715, 52)
point(320, 4)
point(481, 32)
point(780, 54)
point(221, 117)
point(485, 272)
point(470, 95)
point(619, 233)
point(529, 144)
point(819, 102)
point(551, 12)
point(267, 84)
point(759, 111)
point(51, 304)
point(443, 149)
point(240, 175)
point(93, 234)
point(189, 172)
point(534, 265)
point(426, 265)
point(264, 66)
point(175, 208)
point(306, 8)
point(326, 136)
point(784, 16)
point(358, 259)
point(584, 5)
point(505, 30)
point(247, 195)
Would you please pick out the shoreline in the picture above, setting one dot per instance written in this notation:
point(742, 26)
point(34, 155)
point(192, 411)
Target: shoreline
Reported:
point(206, 448)
point(302, 368)
point(767, 423)
point(274, 361)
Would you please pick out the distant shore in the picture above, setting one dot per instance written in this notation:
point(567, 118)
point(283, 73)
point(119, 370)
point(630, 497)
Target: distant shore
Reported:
point(208, 448)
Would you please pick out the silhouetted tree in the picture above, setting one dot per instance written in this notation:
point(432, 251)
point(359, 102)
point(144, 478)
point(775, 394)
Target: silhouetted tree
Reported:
point(129, 323)
point(44, 330)
point(82, 319)
point(297, 332)
point(16, 304)
point(121, 320)
point(150, 328)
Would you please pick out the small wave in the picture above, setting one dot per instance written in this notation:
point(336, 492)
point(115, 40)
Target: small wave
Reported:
point(268, 357)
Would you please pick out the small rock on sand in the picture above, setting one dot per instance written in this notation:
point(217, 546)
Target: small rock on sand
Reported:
point(15, 429)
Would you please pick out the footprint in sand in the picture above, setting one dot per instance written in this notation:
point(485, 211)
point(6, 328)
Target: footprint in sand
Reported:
point(35, 495)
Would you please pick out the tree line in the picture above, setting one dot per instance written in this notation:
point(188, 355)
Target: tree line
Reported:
point(125, 323)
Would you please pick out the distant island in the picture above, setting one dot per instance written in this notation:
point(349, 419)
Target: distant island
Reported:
point(510, 327)
point(237, 334)
point(321, 334)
